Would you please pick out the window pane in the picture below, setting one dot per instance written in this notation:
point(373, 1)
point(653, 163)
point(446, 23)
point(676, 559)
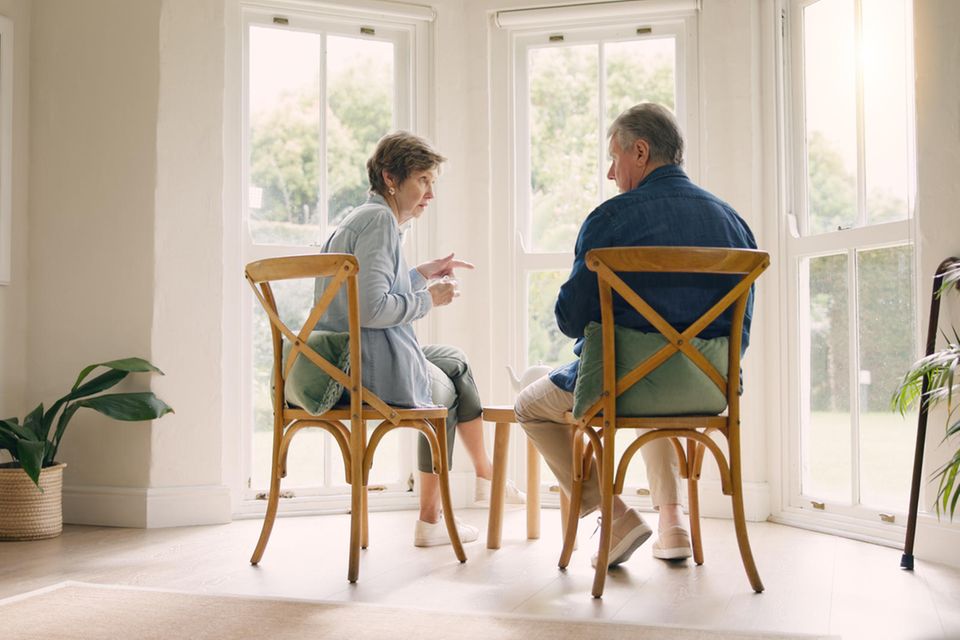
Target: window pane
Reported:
point(564, 170)
point(887, 349)
point(284, 107)
point(638, 71)
point(294, 298)
point(831, 114)
point(545, 343)
point(825, 425)
point(887, 83)
point(359, 113)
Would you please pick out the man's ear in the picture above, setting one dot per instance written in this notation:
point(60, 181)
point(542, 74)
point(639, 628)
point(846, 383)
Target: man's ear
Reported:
point(641, 151)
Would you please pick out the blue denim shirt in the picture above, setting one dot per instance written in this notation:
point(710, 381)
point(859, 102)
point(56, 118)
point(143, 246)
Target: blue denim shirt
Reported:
point(665, 209)
point(392, 296)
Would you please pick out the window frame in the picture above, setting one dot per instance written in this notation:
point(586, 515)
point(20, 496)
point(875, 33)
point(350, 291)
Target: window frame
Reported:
point(863, 520)
point(680, 23)
point(408, 28)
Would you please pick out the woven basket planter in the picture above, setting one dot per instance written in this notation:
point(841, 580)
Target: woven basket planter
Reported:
point(25, 512)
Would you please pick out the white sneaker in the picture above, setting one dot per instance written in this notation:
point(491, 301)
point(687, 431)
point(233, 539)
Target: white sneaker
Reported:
point(511, 495)
point(629, 532)
point(428, 534)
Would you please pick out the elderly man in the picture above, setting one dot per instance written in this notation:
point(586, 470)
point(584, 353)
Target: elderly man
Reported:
point(658, 205)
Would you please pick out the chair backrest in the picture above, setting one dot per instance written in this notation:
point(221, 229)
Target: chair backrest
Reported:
point(745, 265)
point(342, 269)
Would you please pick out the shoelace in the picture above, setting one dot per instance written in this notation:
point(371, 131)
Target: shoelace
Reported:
point(597, 528)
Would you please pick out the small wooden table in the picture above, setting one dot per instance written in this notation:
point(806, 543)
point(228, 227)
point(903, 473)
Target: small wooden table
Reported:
point(503, 417)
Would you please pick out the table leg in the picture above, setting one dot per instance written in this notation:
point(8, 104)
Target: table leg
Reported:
point(501, 446)
point(533, 492)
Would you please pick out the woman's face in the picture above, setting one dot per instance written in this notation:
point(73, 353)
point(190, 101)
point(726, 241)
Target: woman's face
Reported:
point(414, 194)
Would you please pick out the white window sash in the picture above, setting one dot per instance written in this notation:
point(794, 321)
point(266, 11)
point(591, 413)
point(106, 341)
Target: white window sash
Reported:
point(406, 27)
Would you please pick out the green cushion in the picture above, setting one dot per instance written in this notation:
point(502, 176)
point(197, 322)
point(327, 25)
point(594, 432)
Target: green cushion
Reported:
point(676, 387)
point(308, 386)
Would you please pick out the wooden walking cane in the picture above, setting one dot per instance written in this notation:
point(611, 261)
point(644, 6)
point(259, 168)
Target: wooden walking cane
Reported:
point(906, 560)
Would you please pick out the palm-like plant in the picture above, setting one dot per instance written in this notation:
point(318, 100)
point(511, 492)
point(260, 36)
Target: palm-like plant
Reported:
point(34, 442)
point(934, 380)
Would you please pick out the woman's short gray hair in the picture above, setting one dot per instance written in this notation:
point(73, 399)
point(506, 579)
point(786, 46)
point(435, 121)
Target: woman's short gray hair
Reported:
point(655, 124)
point(400, 153)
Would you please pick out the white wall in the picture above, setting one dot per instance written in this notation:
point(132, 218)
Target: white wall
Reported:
point(188, 289)
point(93, 175)
point(937, 52)
point(126, 154)
point(13, 297)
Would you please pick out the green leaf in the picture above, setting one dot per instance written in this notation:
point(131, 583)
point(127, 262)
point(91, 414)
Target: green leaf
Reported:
point(101, 383)
point(130, 365)
point(951, 279)
point(30, 455)
point(19, 431)
point(34, 423)
point(61, 426)
point(128, 406)
point(948, 485)
point(8, 439)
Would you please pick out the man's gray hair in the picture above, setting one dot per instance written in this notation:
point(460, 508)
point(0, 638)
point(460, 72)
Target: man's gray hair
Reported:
point(655, 124)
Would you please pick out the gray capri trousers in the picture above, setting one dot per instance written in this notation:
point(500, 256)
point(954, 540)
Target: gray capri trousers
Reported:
point(452, 386)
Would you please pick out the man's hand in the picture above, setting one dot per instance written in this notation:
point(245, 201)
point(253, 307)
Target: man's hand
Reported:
point(443, 292)
point(442, 267)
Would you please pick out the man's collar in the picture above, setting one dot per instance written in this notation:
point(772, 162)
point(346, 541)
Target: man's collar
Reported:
point(664, 171)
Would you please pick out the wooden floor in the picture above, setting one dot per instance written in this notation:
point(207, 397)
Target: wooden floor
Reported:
point(815, 583)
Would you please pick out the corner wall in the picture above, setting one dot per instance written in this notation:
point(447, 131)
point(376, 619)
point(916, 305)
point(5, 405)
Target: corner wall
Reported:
point(93, 95)
point(937, 58)
point(13, 297)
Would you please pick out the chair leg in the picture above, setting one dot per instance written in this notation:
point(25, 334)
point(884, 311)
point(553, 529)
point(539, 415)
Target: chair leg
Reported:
point(605, 478)
point(580, 462)
point(693, 497)
point(440, 428)
point(364, 518)
point(695, 452)
point(565, 517)
point(273, 500)
point(739, 518)
point(357, 451)
point(270, 516)
point(501, 445)
point(570, 524)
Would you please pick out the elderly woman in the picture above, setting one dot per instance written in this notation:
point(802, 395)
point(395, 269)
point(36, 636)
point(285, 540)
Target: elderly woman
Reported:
point(402, 172)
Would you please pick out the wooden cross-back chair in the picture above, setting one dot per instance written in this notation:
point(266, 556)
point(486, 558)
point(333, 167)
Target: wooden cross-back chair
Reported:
point(356, 449)
point(600, 423)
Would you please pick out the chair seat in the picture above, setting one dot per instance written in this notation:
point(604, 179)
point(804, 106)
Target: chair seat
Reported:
point(661, 422)
point(369, 413)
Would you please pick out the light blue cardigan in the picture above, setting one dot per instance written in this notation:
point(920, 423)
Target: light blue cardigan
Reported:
point(392, 296)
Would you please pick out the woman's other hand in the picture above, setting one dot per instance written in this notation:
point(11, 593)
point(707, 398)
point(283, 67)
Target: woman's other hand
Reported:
point(443, 292)
point(442, 267)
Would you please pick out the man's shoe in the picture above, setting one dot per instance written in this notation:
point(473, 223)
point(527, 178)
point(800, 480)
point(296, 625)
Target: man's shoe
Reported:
point(629, 532)
point(672, 544)
point(428, 534)
point(511, 495)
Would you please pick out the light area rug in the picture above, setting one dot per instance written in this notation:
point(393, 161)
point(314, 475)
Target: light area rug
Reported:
point(82, 611)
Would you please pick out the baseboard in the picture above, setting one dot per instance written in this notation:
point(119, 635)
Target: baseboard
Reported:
point(461, 496)
point(756, 501)
point(936, 540)
point(146, 507)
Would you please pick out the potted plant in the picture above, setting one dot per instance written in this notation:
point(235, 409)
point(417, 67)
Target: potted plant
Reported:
point(30, 486)
point(937, 373)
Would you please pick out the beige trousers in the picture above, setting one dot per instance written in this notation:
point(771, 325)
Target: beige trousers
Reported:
point(540, 408)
